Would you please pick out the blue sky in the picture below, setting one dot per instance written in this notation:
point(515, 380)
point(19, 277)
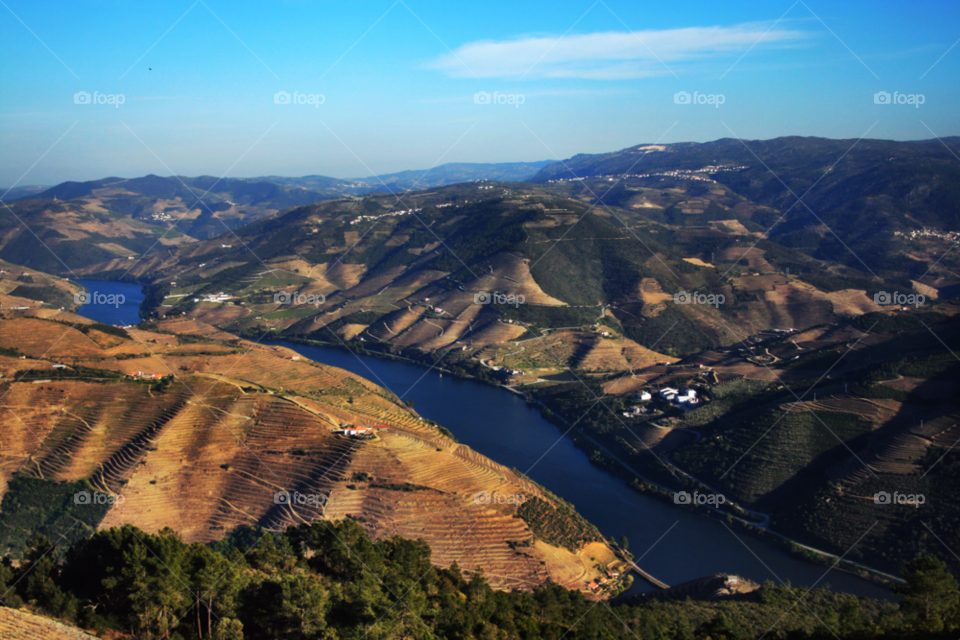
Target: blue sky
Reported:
point(398, 80)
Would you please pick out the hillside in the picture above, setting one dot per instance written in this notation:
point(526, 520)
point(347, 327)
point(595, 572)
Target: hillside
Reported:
point(860, 192)
point(316, 581)
point(27, 288)
point(456, 172)
point(198, 431)
point(85, 223)
point(384, 267)
point(800, 432)
point(438, 176)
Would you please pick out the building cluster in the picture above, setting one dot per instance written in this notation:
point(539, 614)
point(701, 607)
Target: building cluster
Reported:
point(505, 370)
point(951, 236)
point(681, 395)
point(683, 174)
point(215, 297)
point(684, 397)
point(404, 212)
point(140, 375)
point(162, 217)
point(605, 580)
point(364, 432)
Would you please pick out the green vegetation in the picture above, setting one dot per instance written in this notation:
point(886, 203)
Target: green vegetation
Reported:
point(880, 322)
point(548, 316)
point(33, 506)
point(51, 295)
point(672, 333)
point(104, 328)
point(560, 526)
point(331, 581)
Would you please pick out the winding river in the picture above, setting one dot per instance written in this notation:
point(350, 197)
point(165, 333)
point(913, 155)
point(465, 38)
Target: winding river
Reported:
point(670, 543)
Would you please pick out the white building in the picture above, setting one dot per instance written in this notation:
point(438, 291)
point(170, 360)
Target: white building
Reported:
point(668, 393)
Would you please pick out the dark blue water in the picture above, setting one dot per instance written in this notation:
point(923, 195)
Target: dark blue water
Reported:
point(502, 426)
point(115, 303)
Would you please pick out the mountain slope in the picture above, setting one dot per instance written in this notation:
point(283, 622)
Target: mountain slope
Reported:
point(454, 172)
point(229, 424)
point(860, 192)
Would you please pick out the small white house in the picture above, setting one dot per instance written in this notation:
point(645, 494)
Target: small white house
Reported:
point(645, 395)
point(668, 393)
point(686, 394)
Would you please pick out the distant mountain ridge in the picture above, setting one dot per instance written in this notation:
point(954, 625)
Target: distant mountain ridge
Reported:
point(454, 172)
point(862, 191)
point(440, 176)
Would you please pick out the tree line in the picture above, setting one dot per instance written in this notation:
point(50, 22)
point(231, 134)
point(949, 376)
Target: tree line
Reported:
point(331, 581)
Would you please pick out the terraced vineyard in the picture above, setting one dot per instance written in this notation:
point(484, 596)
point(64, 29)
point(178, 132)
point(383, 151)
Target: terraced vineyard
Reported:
point(209, 445)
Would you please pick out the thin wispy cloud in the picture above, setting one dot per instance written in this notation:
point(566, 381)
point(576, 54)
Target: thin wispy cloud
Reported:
point(610, 55)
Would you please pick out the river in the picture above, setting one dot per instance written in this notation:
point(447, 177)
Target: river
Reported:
point(669, 542)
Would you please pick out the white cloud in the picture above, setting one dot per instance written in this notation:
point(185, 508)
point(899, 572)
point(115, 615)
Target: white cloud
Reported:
point(611, 55)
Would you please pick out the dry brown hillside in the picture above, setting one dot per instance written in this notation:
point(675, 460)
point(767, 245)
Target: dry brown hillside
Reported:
point(233, 423)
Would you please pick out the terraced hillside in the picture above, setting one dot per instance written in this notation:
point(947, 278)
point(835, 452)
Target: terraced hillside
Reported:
point(805, 433)
point(865, 190)
point(477, 268)
point(23, 287)
point(202, 440)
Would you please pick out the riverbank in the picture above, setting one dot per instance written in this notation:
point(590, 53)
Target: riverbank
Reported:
point(610, 463)
point(676, 545)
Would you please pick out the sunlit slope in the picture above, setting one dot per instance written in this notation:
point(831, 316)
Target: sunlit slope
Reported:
point(205, 449)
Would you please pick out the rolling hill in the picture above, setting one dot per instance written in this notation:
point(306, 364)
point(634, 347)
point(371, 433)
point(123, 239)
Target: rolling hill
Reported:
point(855, 194)
point(405, 272)
point(199, 431)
